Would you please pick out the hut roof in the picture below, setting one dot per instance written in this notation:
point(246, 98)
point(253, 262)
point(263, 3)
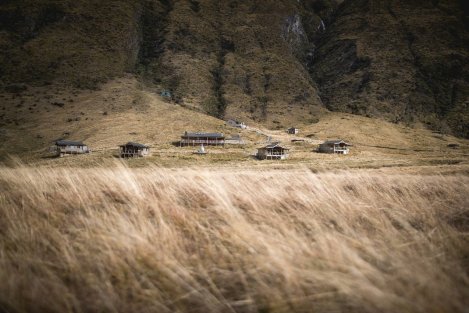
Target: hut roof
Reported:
point(135, 144)
point(335, 142)
point(204, 135)
point(69, 143)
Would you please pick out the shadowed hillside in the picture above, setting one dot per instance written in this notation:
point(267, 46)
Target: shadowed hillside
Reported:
point(82, 43)
point(237, 58)
point(402, 60)
point(275, 62)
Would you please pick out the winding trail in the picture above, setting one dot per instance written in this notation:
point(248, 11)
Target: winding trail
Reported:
point(278, 135)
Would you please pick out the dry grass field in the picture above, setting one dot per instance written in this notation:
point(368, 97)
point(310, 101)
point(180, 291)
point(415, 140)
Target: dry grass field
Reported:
point(221, 240)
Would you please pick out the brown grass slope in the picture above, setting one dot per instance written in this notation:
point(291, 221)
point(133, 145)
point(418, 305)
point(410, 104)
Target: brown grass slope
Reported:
point(122, 110)
point(152, 240)
point(125, 110)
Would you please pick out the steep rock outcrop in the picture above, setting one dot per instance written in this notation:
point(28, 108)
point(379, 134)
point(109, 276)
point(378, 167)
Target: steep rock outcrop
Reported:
point(242, 59)
point(401, 60)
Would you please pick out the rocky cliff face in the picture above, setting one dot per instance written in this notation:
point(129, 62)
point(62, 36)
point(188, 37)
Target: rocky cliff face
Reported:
point(240, 59)
point(402, 60)
point(278, 62)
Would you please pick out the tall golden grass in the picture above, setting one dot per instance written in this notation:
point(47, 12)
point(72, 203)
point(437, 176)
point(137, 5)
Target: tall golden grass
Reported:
point(156, 240)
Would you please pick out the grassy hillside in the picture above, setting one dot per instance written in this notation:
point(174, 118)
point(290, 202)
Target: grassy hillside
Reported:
point(121, 111)
point(126, 110)
point(121, 240)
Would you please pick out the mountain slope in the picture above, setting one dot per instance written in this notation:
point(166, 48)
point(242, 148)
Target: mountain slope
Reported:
point(279, 63)
point(82, 43)
point(397, 59)
point(238, 59)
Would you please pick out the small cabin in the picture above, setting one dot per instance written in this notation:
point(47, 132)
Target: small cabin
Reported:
point(208, 139)
point(272, 152)
point(293, 130)
point(334, 146)
point(166, 94)
point(67, 147)
point(237, 124)
point(133, 150)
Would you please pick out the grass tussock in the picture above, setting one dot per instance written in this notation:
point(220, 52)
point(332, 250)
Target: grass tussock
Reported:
point(154, 240)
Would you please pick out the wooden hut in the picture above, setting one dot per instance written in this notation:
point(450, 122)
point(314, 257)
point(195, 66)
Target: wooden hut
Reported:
point(208, 139)
point(67, 147)
point(272, 152)
point(236, 123)
point(293, 130)
point(133, 150)
point(166, 94)
point(334, 146)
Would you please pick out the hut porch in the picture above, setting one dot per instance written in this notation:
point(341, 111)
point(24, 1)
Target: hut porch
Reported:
point(207, 139)
point(334, 146)
point(273, 152)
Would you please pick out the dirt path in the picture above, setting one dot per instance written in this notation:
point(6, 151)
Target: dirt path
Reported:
point(279, 135)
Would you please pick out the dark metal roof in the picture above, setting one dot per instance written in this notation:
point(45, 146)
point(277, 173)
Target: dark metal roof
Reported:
point(275, 145)
point(69, 143)
point(204, 135)
point(335, 142)
point(134, 144)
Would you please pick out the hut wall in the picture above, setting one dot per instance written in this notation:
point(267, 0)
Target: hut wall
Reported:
point(262, 154)
point(131, 152)
point(326, 148)
point(333, 149)
point(63, 150)
point(195, 141)
point(272, 154)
